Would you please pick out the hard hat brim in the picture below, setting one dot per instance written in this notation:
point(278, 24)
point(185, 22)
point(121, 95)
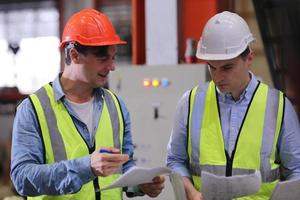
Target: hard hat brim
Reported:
point(106, 43)
point(216, 56)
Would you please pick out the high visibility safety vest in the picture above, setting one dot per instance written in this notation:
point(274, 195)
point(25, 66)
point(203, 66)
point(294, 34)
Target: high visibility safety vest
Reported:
point(255, 147)
point(62, 141)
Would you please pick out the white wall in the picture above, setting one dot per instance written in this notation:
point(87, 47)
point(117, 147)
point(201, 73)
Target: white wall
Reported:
point(161, 32)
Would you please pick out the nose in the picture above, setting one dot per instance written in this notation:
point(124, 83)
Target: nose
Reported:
point(218, 76)
point(111, 65)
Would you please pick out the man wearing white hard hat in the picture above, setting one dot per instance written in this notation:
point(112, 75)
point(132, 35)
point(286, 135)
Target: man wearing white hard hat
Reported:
point(234, 123)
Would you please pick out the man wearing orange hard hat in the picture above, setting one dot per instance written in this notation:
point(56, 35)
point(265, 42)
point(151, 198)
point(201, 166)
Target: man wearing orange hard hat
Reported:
point(72, 136)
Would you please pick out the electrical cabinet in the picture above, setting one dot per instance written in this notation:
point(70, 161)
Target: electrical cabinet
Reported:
point(151, 94)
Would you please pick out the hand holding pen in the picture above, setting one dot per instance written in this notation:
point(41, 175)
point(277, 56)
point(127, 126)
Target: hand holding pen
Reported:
point(109, 150)
point(107, 161)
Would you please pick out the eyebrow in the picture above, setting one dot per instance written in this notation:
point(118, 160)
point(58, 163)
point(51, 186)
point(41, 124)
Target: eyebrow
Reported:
point(107, 55)
point(226, 65)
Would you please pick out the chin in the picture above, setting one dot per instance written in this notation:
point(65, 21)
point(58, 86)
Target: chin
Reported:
point(101, 84)
point(223, 89)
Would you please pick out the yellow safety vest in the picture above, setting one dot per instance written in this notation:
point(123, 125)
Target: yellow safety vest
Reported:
point(256, 142)
point(62, 141)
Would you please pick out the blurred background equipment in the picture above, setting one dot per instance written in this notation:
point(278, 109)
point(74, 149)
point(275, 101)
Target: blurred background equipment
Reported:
point(9, 98)
point(189, 55)
point(28, 30)
point(279, 23)
point(152, 107)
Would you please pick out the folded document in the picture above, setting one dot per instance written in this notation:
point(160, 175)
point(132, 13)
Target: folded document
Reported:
point(138, 175)
point(287, 190)
point(227, 188)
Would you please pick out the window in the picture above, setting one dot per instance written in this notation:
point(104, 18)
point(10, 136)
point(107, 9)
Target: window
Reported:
point(29, 45)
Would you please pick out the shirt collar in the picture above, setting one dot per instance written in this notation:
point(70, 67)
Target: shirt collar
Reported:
point(59, 93)
point(247, 93)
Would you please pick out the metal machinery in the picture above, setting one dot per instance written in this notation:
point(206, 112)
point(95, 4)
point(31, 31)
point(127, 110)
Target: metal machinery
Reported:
point(151, 94)
point(279, 23)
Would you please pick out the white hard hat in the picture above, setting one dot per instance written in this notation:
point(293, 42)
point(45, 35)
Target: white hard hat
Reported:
point(225, 36)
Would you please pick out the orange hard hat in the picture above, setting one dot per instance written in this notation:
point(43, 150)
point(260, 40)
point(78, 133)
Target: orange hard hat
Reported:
point(90, 27)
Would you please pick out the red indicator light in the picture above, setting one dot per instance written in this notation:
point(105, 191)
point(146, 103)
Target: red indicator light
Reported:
point(147, 82)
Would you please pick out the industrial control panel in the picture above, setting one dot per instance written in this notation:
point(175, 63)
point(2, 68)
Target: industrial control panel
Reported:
point(151, 94)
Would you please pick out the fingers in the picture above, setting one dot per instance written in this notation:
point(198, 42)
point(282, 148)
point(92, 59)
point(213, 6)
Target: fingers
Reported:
point(155, 188)
point(104, 164)
point(114, 158)
point(110, 150)
point(105, 168)
point(159, 179)
point(113, 155)
point(106, 171)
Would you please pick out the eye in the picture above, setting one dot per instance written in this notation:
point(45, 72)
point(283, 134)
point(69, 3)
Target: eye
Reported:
point(102, 59)
point(227, 68)
point(106, 58)
point(211, 68)
point(114, 57)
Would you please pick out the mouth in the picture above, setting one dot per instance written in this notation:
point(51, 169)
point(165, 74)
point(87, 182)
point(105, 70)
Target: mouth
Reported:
point(222, 85)
point(103, 75)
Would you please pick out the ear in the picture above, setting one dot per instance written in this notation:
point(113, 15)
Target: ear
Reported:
point(75, 56)
point(250, 58)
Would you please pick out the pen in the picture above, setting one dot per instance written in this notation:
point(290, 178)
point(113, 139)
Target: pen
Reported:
point(110, 152)
point(105, 151)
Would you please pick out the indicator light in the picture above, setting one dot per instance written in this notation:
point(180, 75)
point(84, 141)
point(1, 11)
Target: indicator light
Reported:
point(164, 82)
point(155, 82)
point(147, 82)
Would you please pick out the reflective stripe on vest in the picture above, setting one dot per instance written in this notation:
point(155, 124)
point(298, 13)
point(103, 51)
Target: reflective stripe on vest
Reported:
point(62, 140)
point(257, 139)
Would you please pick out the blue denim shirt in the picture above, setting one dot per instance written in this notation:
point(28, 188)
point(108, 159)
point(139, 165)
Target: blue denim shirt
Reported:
point(29, 173)
point(232, 113)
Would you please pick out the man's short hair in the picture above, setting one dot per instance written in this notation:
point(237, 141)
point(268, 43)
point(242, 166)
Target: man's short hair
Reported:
point(98, 51)
point(245, 53)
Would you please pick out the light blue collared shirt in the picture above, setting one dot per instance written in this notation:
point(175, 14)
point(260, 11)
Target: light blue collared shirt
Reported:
point(31, 177)
point(232, 113)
